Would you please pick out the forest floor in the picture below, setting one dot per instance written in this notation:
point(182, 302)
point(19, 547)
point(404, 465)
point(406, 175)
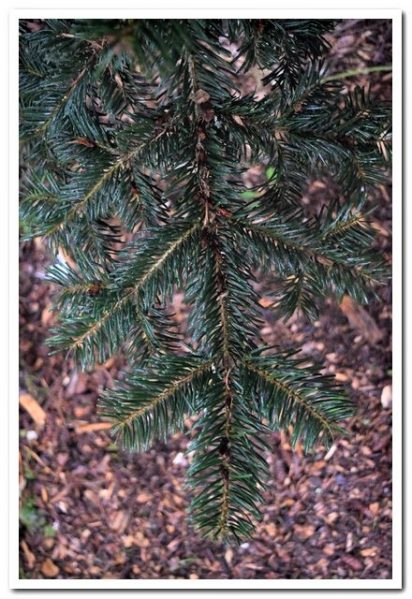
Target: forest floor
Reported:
point(90, 511)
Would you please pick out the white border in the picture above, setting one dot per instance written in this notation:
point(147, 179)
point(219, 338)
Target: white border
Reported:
point(396, 581)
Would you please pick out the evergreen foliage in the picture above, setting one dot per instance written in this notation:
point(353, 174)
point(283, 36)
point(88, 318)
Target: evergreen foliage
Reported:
point(136, 137)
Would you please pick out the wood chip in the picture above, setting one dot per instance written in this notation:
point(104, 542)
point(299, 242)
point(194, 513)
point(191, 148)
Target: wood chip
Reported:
point(118, 80)
point(92, 427)
point(128, 541)
point(44, 495)
point(120, 522)
point(342, 377)
point(65, 257)
point(46, 316)
point(271, 529)
point(380, 229)
point(329, 549)
point(143, 497)
point(352, 562)
point(229, 555)
point(360, 320)
point(330, 453)
point(266, 302)
point(369, 552)
point(49, 569)
point(349, 542)
point(32, 407)
point(331, 517)
point(374, 508)
point(29, 555)
point(386, 397)
point(304, 531)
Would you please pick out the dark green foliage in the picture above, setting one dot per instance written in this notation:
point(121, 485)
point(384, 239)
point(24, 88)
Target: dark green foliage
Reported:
point(136, 138)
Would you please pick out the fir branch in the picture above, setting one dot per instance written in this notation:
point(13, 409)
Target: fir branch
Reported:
point(118, 165)
point(303, 253)
point(312, 411)
point(137, 151)
point(161, 393)
point(41, 130)
point(86, 335)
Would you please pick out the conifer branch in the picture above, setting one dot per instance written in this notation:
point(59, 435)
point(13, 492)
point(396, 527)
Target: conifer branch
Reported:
point(60, 105)
point(291, 393)
point(331, 261)
point(136, 168)
point(211, 238)
point(163, 393)
point(117, 304)
point(343, 226)
point(166, 394)
point(118, 165)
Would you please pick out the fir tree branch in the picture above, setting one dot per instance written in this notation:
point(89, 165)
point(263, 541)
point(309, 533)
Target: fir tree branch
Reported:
point(291, 393)
point(66, 97)
point(303, 249)
point(343, 226)
point(120, 163)
point(201, 160)
point(139, 175)
point(115, 305)
point(286, 398)
point(165, 395)
point(152, 403)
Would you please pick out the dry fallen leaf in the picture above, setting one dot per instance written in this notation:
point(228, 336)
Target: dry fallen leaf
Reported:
point(32, 407)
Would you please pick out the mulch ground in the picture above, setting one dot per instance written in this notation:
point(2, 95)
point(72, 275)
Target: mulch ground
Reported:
point(90, 511)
